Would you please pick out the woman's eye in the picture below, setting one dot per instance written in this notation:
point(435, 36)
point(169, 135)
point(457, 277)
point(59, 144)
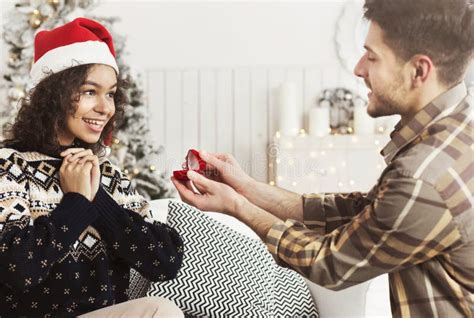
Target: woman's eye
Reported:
point(89, 92)
point(111, 94)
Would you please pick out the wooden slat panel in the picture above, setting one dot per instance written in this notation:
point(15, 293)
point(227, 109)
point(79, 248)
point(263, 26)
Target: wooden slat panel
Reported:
point(330, 77)
point(230, 110)
point(190, 109)
point(173, 119)
point(156, 108)
point(276, 76)
point(207, 111)
point(259, 137)
point(224, 87)
point(242, 118)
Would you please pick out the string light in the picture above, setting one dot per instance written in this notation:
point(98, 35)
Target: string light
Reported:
point(277, 135)
point(331, 171)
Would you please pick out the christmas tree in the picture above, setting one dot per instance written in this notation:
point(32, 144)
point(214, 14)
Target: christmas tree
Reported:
point(131, 148)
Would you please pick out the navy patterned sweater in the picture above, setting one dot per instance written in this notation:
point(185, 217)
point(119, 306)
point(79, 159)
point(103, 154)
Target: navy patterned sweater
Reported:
point(62, 255)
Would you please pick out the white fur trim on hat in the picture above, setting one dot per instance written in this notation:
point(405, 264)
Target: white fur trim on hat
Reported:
point(64, 57)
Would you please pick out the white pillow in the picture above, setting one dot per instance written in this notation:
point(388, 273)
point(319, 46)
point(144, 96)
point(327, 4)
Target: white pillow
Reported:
point(226, 274)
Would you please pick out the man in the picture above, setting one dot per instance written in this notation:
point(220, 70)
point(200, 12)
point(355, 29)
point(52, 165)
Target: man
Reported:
point(417, 222)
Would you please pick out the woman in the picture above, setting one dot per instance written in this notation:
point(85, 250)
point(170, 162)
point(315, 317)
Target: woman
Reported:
point(71, 226)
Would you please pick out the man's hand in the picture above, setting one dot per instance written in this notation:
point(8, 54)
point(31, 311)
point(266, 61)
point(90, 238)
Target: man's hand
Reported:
point(225, 169)
point(216, 196)
point(82, 156)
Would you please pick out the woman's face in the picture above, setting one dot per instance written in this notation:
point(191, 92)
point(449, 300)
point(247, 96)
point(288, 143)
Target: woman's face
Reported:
point(95, 106)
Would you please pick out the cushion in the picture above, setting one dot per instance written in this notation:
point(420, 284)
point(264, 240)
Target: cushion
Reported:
point(225, 273)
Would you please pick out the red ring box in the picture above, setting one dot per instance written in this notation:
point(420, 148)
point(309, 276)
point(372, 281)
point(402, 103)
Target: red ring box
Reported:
point(193, 162)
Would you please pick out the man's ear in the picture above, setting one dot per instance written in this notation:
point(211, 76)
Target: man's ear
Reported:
point(422, 69)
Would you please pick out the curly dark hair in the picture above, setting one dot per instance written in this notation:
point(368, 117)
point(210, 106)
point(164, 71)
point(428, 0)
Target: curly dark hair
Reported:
point(441, 29)
point(44, 111)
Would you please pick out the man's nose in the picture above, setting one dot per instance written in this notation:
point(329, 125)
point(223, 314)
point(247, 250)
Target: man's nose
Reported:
point(360, 69)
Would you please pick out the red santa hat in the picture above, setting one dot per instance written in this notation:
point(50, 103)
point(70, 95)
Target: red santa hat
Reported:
point(82, 41)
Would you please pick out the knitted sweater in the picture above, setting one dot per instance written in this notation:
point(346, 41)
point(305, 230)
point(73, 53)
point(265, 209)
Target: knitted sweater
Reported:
point(62, 255)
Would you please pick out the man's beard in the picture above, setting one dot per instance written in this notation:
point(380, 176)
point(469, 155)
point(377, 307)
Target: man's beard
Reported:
point(387, 101)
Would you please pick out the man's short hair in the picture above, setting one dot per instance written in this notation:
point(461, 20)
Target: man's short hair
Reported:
point(440, 29)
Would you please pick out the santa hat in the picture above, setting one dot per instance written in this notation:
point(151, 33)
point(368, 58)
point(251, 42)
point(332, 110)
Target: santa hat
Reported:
point(82, 41)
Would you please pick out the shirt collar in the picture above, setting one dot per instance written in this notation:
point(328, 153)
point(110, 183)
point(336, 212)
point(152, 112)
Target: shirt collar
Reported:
point(440, 107)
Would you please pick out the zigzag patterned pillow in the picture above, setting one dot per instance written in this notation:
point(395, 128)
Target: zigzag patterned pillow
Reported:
point(226, 274)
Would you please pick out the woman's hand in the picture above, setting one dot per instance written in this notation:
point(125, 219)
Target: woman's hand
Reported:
point(82, 156)
point(76, 177)
point(216, 196)
point(225, 169)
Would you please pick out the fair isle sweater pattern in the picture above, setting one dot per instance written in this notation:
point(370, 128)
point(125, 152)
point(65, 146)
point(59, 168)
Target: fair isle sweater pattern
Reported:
point(62, 255)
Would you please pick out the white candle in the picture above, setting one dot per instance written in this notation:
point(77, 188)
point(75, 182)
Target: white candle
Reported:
point(363, 123)
point(319, 121)
point(290, 116)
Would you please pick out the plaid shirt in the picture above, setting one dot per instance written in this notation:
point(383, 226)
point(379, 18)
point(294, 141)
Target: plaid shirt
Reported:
point(417, 222)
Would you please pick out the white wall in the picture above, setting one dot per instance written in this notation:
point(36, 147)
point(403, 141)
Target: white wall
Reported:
point(177, 34)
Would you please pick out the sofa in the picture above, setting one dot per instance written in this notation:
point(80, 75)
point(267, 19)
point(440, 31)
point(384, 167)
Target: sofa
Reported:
point(369, 299)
